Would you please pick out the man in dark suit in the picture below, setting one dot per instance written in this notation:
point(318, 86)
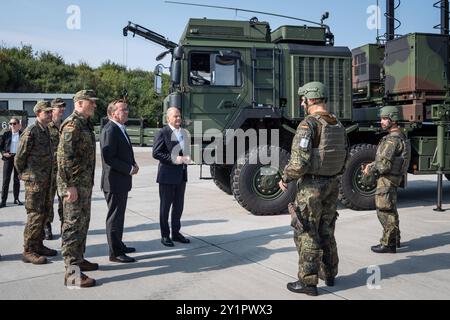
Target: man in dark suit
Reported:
point(170, 148)
point(118, 167)
point(8, 148)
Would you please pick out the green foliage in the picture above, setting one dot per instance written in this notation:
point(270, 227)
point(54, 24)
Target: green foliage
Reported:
point(23, 70)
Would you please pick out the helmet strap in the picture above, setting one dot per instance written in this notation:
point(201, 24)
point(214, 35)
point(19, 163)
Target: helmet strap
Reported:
point(389, 126)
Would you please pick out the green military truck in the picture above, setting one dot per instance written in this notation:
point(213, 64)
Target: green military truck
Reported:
point(229, 75)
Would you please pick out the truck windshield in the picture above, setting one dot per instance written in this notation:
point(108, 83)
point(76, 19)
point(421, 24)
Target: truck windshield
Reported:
point(212, 69)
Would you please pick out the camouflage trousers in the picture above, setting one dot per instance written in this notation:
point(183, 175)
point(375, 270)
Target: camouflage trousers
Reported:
point(36, 205)
point(316, 245)
point(53, 193)
point(75, 226)
point(386, 204)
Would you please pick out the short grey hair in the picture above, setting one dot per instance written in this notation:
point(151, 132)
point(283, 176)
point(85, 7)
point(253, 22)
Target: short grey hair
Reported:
point(169, 110)
point(112, 107)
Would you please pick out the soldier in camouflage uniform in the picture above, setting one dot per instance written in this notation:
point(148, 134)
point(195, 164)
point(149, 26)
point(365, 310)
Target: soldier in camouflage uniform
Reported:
point(58, 106)
point(31, 161)
point(390, 165)
point(318, 155)
point(75, 179)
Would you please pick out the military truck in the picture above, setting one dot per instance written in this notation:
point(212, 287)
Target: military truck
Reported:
point(242, 75)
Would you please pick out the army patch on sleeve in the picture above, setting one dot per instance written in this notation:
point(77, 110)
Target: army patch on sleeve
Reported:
point(304, 143)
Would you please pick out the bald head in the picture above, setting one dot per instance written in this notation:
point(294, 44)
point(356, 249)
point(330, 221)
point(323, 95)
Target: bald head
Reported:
point(174, 117)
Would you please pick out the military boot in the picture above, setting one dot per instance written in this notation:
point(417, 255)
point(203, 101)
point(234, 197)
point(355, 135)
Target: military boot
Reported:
point(48, 235)
point(33, 257)
point(81, 280)
point(397, 241)
point(44, 251)
point(88, 266)
point(384, 249)
point(329, 281)
point(299, 287)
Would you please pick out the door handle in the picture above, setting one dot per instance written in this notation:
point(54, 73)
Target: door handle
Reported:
point(229, 104)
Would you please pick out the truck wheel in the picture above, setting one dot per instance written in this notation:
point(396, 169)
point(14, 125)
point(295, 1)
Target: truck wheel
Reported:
point(255, 186)
point(352, 192)
point(221, 175)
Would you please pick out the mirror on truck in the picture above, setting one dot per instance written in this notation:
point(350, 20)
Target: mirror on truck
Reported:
point(175, 72)
point(158, 79)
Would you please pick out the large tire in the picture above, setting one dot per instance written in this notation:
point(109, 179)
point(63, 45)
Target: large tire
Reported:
point(221, 175)
point(352, 193)
point(257, 192)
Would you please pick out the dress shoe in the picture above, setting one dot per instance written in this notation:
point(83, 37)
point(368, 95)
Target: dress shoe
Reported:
point(48, 235)
point(383, 249)
point(88, 266)
point(180, 238)
point(129, 250)
point(18, 202)
point(81, 280)
point(299, 287)
point(122, 258)
point(3, 204)
point(167, 242)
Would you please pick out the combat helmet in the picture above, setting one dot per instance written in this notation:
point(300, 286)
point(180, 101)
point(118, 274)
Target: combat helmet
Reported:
point(314, 90)
point(390, 112)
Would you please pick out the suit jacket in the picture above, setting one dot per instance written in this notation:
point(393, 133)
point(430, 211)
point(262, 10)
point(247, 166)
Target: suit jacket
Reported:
point(5, 143)
point(168, 171)
point(117, 160)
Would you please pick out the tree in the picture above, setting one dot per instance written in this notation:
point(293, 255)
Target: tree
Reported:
point(23, 70)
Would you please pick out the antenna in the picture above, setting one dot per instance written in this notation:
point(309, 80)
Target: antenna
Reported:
point(244, 10)
point(326, 15)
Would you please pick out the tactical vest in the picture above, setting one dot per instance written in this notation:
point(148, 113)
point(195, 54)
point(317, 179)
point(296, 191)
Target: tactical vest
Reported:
point(400, 163)
point(328, 159)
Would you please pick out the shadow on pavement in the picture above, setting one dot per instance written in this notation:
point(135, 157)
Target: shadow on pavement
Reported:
point(11, 224)
point(405, 266)
point(208, 258)
point(155, 226)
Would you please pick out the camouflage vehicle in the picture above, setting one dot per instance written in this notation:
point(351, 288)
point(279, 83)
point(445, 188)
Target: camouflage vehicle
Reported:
point(242, 75)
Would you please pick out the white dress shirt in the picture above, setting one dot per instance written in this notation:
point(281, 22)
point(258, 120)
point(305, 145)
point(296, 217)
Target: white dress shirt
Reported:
point(179, 135)
point(14, 142)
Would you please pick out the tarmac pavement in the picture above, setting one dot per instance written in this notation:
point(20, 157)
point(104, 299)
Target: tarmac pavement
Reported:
point(234, 254)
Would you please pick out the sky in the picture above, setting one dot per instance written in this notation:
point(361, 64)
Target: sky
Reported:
point(95, 35)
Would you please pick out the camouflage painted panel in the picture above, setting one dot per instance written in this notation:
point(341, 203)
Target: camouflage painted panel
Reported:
point(417, 62)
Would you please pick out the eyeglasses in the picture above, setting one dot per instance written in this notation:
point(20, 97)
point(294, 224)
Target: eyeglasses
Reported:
point(12, 123)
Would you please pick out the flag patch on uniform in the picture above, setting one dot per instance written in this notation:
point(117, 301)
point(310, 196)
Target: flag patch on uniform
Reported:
point(304, 143)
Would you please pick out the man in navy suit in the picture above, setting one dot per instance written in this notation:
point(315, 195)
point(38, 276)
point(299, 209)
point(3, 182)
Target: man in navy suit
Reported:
point(8, 147)
point(119, 166)
point(171, 149)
